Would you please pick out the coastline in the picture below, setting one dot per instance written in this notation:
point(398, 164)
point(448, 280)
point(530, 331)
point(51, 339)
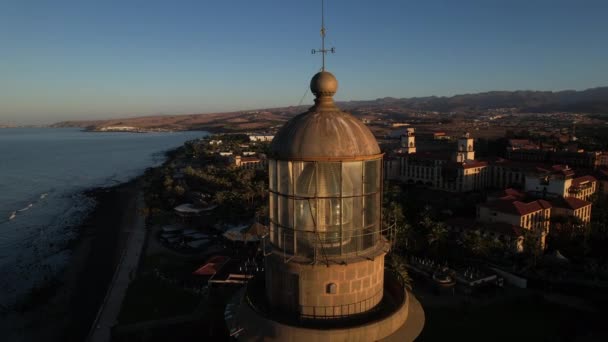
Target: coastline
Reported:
point(65, 309)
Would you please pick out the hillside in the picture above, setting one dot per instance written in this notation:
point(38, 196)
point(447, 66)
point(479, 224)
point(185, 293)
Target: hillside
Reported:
point(593, 100)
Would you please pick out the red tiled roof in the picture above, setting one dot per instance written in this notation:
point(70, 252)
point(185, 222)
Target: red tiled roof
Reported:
point(212, 266)
point(576, 203)
point(544, 204)
point(556, 170)
point(580, 180)
point(515, 207)
point(571, 203)
point(513, 194)
point(472, 164)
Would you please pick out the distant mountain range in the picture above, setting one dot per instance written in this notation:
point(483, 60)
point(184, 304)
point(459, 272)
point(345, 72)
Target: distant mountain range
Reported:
point(594, 101)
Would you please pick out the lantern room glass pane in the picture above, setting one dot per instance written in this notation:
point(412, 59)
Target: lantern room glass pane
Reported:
point(325, 208)
point(369, 237)
point(272, 175)
point(328, 214)
point(328, 179)
point(287, 240)
point(285, 211)
point(328, 223)
point(305, 177)
point(272, 213)
point(305, 214)
point(284, 178)
point(371, 209)
point(371, 176)
point(352, 173)
point(352, 219)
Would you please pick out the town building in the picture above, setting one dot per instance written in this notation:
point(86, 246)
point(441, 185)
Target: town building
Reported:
point(455, 172)
point(441, 136)
point(526, 150)
point(560, 180)
point(531, 215)
point(568, 207)
point(261, 138)
point(253, 163)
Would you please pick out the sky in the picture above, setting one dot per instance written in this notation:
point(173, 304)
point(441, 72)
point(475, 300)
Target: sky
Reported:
point(83, 59)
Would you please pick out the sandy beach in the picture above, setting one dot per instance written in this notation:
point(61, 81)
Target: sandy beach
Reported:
point(67, 309)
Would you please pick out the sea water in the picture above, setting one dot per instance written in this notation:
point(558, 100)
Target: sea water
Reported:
point(43, 173)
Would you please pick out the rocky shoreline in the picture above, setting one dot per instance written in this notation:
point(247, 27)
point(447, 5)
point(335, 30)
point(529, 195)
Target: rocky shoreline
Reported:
point(65, 309)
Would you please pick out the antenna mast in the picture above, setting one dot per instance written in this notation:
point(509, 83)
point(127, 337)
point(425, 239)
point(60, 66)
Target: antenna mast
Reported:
point(323, 50)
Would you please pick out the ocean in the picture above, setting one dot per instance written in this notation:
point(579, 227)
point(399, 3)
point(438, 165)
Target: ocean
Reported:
point(43, 173)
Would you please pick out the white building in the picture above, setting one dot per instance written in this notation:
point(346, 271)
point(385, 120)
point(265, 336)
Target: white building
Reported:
point(530, 215)
point(261, 138)
point(440, 171)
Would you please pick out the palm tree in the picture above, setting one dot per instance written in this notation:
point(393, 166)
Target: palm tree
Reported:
point(435, 232)
point(398, 264)
point(394, 219)
point(475, 243)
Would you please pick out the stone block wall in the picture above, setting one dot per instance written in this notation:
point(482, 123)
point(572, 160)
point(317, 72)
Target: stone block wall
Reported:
point(322, 291)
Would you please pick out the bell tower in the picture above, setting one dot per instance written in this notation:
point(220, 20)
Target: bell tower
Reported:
point(466, 150)
point(408, 141)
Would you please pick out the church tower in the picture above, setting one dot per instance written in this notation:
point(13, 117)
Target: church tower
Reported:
point(466, 150)
point(408, 141)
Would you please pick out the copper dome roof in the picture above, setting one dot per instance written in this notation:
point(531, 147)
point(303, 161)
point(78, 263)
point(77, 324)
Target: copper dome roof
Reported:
point(324, 131)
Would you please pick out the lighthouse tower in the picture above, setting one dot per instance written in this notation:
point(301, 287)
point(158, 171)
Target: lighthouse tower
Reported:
point(325, 276)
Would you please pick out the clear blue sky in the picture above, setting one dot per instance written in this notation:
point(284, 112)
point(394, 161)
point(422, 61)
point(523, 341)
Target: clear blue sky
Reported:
point(84, 59)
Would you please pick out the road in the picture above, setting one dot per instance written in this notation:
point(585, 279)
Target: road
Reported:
point(101, 330)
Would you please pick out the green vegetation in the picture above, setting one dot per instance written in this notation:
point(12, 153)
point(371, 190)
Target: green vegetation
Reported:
point(197, 174)
point(584, 244)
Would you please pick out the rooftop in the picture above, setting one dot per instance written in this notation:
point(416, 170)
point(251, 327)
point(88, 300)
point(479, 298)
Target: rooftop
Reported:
point(515, 207)
point(571, 203)
point(583, 180)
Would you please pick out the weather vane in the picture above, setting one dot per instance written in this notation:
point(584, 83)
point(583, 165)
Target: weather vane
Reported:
point(323, 50)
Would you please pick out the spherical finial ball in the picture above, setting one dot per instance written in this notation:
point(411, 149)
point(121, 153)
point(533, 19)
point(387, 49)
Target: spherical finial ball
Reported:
point(324, 84)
